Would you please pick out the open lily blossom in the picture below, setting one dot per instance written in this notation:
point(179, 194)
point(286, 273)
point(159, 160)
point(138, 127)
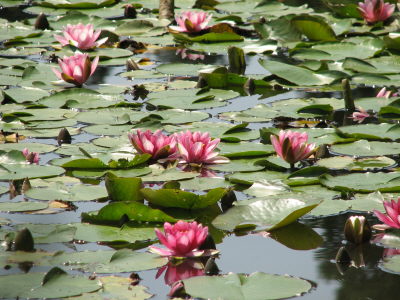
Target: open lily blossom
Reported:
point(392, 217)
point(157, 144)
point(198, 148)
point(76, 69)
point(191, 21)
point(31, 157)
point(360, 115)
point(292, 146)
point(375, 10)
point(181, 239)
point(81, 36)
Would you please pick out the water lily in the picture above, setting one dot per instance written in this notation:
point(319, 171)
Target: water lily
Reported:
point(191, 21)
point(357, 230)
point(197, 148)
point(383, 93)
point(375, 10)
point(157, 144)
point(392, 217)
point(76, 69)
point(181, 239)
point(81, 36)
point(292, 146)
point(31, 157)
point(192, 56)
point(360, 115)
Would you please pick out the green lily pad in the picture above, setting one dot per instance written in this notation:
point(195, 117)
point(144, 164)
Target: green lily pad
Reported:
point(116, 288)
point(180, 69)
point(182, 199)
point(100, 233)
point(50, 233)
point(80, 98)
point(204, 183)
point(363, 182)
point(391, 264)
point(55, 284)
point(22, 206)
point(367, 148)
point(77, 192)
point(269, 214)
point(130, 261)
point(20, 171)
point(353, 164)
point(255, 286)
point(298, 75)
point(114, 212)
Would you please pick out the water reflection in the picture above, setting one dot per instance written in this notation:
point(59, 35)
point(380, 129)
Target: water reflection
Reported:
point(181, 270)
point(360, 279)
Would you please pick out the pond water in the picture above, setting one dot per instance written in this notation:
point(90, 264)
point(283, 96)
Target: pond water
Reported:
point(305, 249)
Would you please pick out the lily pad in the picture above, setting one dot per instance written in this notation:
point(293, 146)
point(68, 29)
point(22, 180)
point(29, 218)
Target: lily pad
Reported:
point(77, 192)
point(363, 182)
point(22, 206)
point(268, 214)
point(55, 284)
point(239, 286)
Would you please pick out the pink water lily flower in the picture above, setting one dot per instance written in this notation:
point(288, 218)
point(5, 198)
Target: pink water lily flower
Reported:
point(375, 10)
point(81, 36)
point(157, 144)
point(383, 93)
point(292, 146)
point(182, 239)
point(392, 217)
point(76, 69)
point(359, 116)
point(191, 21)
point(192, 56)
point(197, 148)
point(31, 157)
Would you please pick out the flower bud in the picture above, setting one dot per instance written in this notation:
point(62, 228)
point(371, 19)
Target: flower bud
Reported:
point(41, 22)
point(131, 65)
point(64, 137)
point(130, 11)
point(357, 230)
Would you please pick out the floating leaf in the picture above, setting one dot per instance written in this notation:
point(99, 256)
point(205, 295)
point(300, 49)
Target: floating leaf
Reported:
point(255, 286)
point(57, 285)
point(269, 214)
point(134, 211)
point(182, 199)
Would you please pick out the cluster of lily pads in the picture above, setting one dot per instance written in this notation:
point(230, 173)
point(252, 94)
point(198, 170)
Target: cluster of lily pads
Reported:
point(158, 145)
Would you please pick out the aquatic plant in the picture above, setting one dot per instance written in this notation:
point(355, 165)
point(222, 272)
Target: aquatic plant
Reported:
point(81, 36)
point(360, 115)
point(357, 230)
point(191, 21)
point(383, 93)
point(31, 157)
point(292, 146)
point(76, 69)
point(375, 10)
point(192, 56)
point(182, 239)
point(197, 148)
point(157, 144)
point(392, 217)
